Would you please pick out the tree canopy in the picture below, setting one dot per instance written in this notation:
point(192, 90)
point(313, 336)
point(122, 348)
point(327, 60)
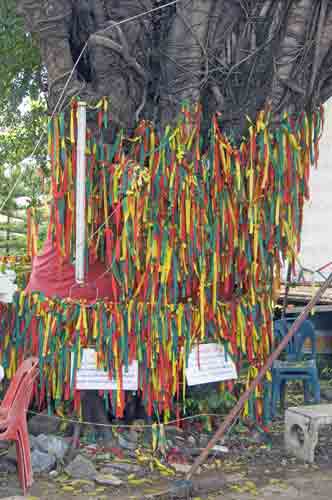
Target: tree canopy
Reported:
point(21, 69)
point(22, 178)
point(22, 122)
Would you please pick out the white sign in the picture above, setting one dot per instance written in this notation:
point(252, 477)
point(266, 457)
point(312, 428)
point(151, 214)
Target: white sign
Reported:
point(207, 363)
point(89, 377)
point(7, 286)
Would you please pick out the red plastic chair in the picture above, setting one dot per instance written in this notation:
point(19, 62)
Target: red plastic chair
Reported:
point(13, 420)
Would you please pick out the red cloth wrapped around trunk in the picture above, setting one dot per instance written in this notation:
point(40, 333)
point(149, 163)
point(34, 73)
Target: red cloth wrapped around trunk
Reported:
point(57, 279)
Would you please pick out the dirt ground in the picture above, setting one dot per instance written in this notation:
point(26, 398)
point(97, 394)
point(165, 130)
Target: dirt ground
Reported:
point(305, 483)
point(256, 466)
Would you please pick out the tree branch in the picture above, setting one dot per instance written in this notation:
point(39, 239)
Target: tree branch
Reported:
point(120, 50)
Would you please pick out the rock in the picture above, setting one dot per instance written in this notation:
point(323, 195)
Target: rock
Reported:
point(53, 445)
point(81, 468)
point(43, 424)
point(191, 441)
point(182, 468)
point(32, 440)
point(11, 453)
point(108, 469)
point(326, 393)
point(125, 444)
point(179, 441)
point(14, 498)
point(214, 482)
point(203, 440)
point(42, 462)
point(123, 468)
point(108, 479)
point(7, 465)
point(133, 436)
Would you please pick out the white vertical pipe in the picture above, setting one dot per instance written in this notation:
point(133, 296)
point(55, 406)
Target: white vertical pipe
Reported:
point(80, 193)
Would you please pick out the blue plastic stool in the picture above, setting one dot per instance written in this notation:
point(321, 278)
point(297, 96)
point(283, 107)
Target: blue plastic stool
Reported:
point(294, 367)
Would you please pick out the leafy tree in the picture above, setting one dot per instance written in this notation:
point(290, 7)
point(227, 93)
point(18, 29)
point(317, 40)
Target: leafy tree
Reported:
point(21, 177)
point(21, 73)
point(22, 123)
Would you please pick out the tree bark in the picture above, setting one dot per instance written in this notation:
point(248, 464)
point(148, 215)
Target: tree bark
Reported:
point(233, 56)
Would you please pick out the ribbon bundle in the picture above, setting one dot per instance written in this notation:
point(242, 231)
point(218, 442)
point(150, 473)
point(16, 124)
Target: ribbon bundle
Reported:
point(193, 239)
point(32, 233)
point(160, 338)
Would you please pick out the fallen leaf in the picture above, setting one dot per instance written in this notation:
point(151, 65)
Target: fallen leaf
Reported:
point(68, 488)
point(137, 482)
point(82, 481)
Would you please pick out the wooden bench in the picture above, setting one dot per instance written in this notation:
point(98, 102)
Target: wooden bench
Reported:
point(302, 425)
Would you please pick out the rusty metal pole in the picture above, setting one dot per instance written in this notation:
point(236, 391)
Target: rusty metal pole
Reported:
point(245, 396)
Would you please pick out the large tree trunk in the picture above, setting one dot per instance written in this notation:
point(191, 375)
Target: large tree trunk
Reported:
point(235, 57)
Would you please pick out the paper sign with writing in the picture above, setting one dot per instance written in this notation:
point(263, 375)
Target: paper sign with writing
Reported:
point(7, 286)
point(207, 363)
point(89, 377)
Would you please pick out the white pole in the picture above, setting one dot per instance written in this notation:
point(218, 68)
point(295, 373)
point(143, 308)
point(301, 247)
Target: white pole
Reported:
point(80, 193)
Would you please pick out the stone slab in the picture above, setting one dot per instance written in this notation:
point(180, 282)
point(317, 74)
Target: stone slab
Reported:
point(313, 411)
point(302, 426)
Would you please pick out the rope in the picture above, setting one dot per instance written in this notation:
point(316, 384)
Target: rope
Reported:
point(117, 426)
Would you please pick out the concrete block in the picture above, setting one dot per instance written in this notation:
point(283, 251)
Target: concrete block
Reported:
point(302, 428)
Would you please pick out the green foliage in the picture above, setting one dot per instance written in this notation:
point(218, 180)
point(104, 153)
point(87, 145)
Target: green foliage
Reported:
point(21, 72)
point(23, 121)
point(17, 168)
point(211, 399)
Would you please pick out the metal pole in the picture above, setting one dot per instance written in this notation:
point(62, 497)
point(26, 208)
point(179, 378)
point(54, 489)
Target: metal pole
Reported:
point(245, 396)
point(80, 193)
